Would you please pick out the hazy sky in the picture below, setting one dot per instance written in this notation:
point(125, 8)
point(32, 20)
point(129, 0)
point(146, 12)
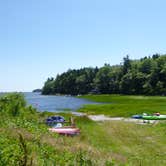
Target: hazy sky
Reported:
point(41, 38)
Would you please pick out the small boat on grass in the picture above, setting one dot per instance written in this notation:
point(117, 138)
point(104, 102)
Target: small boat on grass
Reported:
point(66, 130)
point(137, 116)
point(154, 117)
point(57, 127)
point(54, 120)
point(145, 116)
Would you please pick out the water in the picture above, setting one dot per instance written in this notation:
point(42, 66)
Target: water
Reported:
point(53, 103)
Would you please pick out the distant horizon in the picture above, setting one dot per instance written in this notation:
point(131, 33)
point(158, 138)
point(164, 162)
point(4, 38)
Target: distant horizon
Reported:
point(28, 91)
point(40, 39)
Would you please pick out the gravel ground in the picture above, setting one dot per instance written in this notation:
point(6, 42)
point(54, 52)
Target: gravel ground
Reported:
point(100, 118)
point(106, 118)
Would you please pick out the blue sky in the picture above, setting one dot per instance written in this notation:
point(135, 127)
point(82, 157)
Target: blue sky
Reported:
point(41, 38)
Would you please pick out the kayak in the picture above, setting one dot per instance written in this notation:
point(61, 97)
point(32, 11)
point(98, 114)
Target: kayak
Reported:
point(137, 116)
point(65, 130)
point(154, 117)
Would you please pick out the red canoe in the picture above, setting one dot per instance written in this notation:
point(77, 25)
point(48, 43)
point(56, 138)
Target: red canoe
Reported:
point(65, 130)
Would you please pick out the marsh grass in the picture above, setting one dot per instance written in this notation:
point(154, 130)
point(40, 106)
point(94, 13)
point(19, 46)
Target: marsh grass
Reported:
point(125, 106)
point(124, 143)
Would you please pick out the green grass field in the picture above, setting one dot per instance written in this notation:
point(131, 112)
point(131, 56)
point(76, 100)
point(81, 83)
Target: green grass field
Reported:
point(125, 106)
point(25, 139)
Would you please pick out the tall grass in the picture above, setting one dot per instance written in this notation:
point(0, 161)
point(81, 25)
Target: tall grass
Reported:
point(119, 105)
point(25, 140)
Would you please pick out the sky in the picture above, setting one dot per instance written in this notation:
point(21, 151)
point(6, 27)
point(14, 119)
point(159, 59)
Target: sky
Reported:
point(43, 38)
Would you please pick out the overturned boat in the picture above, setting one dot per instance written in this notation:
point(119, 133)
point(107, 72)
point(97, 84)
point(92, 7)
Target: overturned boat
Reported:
point(137, 117)
point(66, 130)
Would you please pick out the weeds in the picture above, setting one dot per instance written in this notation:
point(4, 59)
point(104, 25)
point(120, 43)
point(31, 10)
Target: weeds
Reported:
point(99, 144)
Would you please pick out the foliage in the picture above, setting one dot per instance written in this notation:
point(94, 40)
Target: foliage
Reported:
point(25, 139)
point(13, 104)
point(145, 76)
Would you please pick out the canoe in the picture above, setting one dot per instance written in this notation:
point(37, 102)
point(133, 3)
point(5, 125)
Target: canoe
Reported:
point(65, 130)
point(154, 117)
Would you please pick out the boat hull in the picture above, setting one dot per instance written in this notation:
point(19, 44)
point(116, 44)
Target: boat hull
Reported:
point(137, 116)
point(148, 117)
point(65, 131)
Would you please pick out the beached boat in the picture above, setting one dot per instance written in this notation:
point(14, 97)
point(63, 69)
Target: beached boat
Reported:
point(65, 130)
point(54, 120)
point(154, 117)
point(137, 117)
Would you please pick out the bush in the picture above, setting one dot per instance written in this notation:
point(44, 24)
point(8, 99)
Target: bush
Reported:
point(14, 104)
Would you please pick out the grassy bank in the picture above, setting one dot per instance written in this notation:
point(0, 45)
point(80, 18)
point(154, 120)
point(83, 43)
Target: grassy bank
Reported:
point(125, 106)
point(25, 140)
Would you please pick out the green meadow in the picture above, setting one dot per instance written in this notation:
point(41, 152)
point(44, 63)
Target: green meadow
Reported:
point(25, 139)
point(124, 106)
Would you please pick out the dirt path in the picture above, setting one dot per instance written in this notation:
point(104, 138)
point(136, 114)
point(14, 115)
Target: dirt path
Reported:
point(106, 118)
point(100, 118)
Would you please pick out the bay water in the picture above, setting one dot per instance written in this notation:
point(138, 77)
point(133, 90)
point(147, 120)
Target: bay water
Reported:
point(53, 103)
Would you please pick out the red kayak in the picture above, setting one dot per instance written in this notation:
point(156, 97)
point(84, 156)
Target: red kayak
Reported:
point(66, 130)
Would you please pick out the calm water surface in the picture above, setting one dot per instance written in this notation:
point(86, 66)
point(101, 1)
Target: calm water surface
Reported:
point(55, 103)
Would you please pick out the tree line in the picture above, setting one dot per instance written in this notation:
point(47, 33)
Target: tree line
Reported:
point(145, 76)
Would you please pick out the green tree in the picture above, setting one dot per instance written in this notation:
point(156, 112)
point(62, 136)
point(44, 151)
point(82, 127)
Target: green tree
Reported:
point(145, 76)
point(48, 86)
point(126, 64)
point(102, 79)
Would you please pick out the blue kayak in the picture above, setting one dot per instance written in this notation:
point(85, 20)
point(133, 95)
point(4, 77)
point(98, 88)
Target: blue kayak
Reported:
point(137, 116)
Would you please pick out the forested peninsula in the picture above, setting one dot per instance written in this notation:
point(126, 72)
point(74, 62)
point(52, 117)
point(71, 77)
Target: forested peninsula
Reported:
point(146, 76)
